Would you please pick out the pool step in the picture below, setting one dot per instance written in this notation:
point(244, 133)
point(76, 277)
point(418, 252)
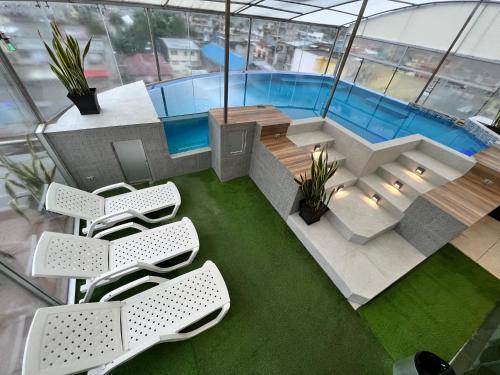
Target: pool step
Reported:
point(392, 199)
point(436, 172)
point(309, 139)
point(357, 217)
point(342, 177)
point(413, 184)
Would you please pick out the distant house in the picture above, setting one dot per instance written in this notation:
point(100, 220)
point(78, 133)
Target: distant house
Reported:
point(312, 58)
point(143, 66)
point(182, 54)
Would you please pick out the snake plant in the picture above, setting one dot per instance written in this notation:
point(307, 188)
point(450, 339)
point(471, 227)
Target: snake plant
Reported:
point(30, 176)
point(68, 61)
point(313, 186)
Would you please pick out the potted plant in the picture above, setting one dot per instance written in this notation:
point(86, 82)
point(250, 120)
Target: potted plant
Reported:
point(68, 63)
point(315, 198)
point(31, 177)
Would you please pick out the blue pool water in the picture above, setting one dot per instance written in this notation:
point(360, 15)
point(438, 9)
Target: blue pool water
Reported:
point(375, 117)
point(186, 134)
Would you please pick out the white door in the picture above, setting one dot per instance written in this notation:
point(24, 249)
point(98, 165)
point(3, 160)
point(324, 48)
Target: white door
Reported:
point(133, 160)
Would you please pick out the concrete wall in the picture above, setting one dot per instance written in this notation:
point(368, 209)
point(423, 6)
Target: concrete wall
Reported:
point(273, 179)
point(89, 156)
point(231, 148)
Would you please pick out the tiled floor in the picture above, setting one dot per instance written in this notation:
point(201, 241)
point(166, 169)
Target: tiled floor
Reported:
point(481, 243)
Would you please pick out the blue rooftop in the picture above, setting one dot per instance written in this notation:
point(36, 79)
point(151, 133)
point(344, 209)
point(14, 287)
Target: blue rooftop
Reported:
point(215, 53)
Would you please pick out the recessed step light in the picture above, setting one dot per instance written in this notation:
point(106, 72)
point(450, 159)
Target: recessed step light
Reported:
point(398, 184)
point(420, 171)
point(376, 198)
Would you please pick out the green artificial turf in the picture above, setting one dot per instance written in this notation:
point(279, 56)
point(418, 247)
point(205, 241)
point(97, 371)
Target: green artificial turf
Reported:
point(286, 316)
point(436, 307)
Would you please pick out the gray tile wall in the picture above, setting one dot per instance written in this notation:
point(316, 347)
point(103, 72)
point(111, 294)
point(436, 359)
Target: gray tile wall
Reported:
point(89, 156)
point(231, 148)
point(273, 179)
point(427, 227)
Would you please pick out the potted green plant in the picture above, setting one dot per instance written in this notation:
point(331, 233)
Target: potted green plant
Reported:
point(31, 177)
point(315, 199)
point(68, 65)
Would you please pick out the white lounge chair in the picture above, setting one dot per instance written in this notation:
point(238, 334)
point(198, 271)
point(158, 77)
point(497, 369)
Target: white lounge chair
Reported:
point(103, 335)
point(100, 212)
point(102, 262)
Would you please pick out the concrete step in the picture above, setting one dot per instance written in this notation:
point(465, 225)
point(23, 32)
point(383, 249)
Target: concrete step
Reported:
point(413, 184)
point(436, 172)
point(311, 138)
point(342, 177)
point(360, 272)
point(334, 155)
point(391, 198)
point(305, 125)
point(357, 217)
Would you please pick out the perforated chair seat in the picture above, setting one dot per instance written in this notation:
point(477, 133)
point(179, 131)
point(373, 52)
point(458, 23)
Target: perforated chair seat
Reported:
point(102, 212)
point(101, 261)
point(101, 336)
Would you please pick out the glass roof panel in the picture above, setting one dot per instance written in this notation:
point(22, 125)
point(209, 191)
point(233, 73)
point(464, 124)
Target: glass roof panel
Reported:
point(287, 6)
point(327, 17)
point(322, 12)
point(198, 4)
point(266, 12)
point(154, 2)
point(371, 8)
point(320, 3)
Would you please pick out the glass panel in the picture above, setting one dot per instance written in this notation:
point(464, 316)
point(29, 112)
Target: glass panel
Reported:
point(492, 106)
point(420, 59)
point(374, 75)
point(22, 21)
point(288, 46)
point(314, 50)
point(257, 88)
point(131, 40)
point(208, 92)
point(16, 311)
point(23, 219)
point(173, 43)
point(84, 22)
point(377, 50)
point(407, 85)
point(455, 99)
point(478, 72)
point(208, 33)
point(351, 68)
point(337, 52)
point(263, 44)
point(15, 117)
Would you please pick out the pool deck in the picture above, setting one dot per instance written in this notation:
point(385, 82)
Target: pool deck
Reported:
point(474, 195)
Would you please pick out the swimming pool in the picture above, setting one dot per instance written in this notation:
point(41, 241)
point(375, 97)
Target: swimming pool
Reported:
point(375, 117)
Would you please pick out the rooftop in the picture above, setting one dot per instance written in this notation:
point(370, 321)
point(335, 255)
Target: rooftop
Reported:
point(317, 193)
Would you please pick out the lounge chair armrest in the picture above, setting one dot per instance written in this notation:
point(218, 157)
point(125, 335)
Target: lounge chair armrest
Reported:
point(104, 218)
point(121, 227)
point(133, 284)
point(197, 331)
point(114, 186)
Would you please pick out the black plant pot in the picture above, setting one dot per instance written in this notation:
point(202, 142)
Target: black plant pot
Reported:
point(309, 215)
point(86, 104)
